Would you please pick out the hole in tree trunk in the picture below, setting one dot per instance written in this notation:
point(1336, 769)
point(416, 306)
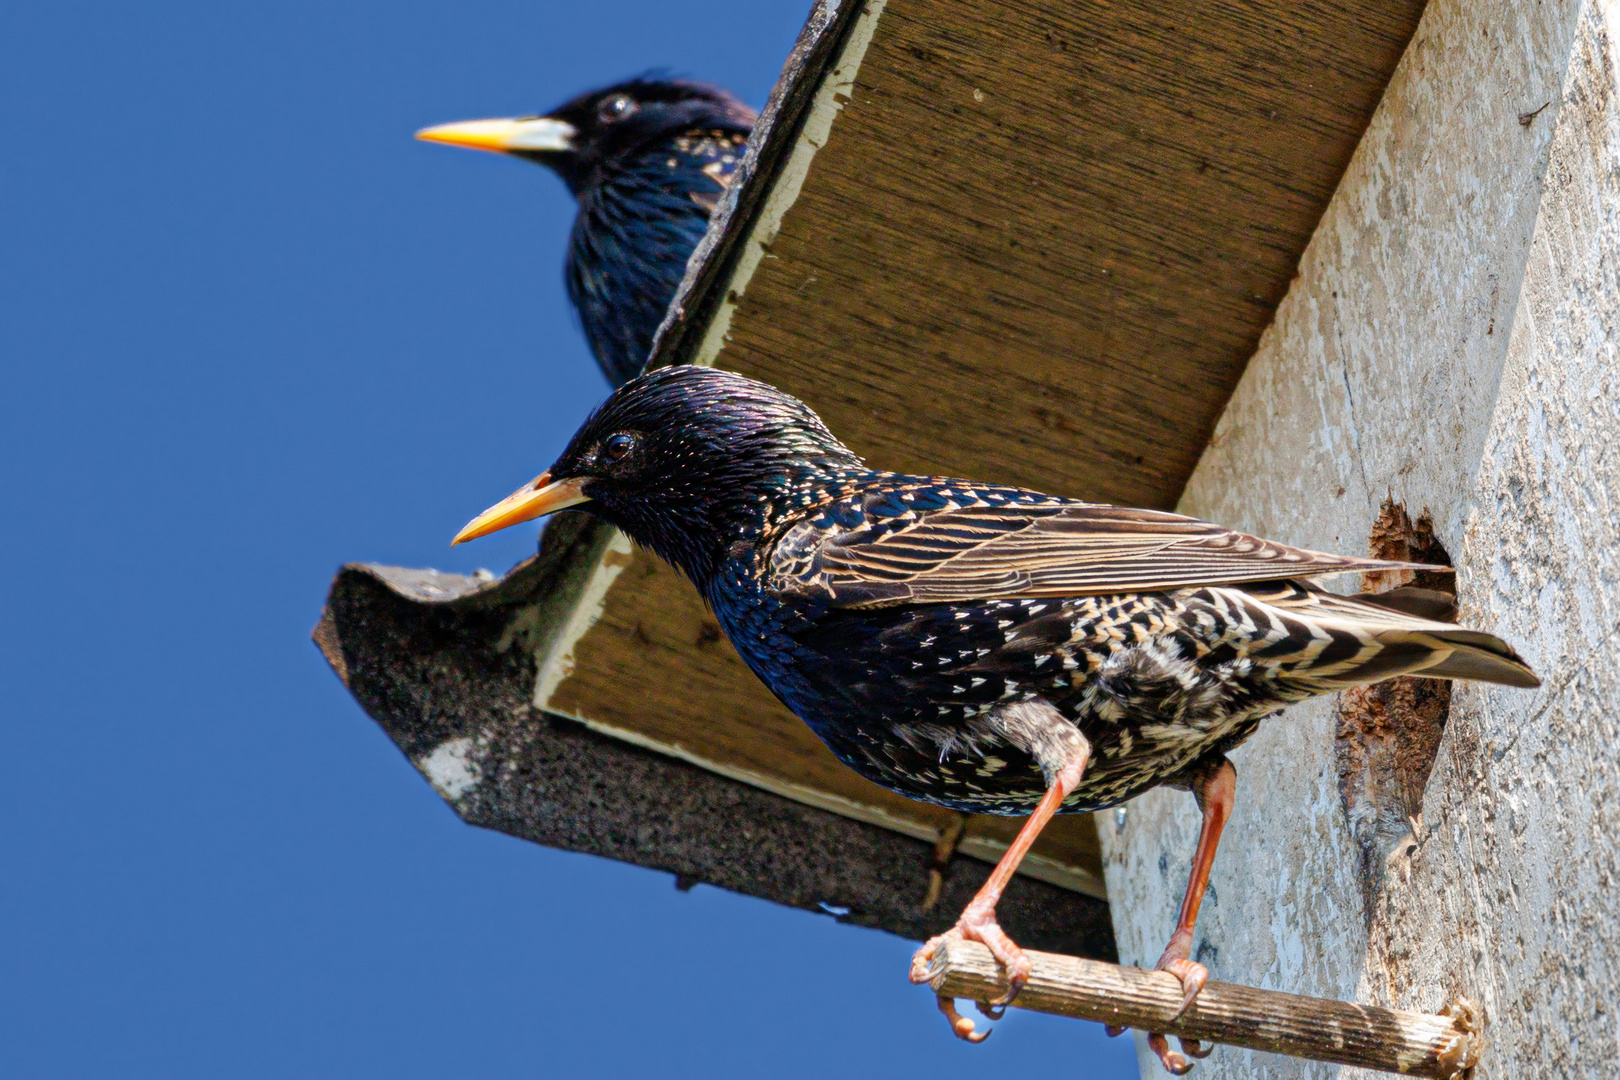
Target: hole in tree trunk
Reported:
point(1389, 733)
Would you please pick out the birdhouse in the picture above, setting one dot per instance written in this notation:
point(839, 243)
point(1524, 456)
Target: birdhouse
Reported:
point(1337, 274)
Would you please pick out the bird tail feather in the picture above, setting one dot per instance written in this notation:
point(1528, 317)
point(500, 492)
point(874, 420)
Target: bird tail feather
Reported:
point(1480, 657)
point(1376, 636)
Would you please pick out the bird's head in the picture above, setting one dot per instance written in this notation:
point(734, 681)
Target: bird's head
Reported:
point(580, 138)
point(687, 461)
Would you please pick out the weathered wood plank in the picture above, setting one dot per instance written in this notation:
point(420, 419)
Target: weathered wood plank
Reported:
point(1041, 241)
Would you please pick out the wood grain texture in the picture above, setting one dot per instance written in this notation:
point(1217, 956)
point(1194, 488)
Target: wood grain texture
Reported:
point(1043, 240)
point(1412, 1044)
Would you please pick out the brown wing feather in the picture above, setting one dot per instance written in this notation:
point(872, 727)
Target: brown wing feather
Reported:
point(1074, 549)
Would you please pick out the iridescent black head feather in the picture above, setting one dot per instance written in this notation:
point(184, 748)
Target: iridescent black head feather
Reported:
point(687, 460)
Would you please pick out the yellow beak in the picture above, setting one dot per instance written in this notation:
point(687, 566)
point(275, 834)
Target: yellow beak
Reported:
point(537, 498)
point(505, 136)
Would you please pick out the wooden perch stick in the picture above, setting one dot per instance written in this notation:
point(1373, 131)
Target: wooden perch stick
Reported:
point(1413, 1044)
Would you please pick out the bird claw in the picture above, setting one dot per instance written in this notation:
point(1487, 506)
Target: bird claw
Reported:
point(922, 960)
point(989, 1011)
point(1176, 1063)
point(961, 1026)
point(1015, 983)
point(979, 924)
point(1173, 1062)
point(1192, 974)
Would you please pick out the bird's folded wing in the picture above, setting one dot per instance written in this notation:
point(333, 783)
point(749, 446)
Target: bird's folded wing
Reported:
point(989, 552)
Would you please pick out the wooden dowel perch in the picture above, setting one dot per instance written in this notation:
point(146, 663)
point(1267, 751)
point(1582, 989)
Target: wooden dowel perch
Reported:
point(1413, 1044)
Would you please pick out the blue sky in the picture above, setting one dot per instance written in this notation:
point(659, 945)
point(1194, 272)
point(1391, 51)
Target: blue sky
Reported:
point(253, 331)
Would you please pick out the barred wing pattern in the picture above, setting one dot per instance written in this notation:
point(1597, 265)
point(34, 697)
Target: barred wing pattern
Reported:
point(1016, 548)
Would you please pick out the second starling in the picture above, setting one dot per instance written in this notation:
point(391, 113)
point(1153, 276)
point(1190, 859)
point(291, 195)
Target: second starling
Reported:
point(646, 160)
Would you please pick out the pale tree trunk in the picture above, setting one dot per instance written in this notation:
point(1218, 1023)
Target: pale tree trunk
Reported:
point(1449, 344)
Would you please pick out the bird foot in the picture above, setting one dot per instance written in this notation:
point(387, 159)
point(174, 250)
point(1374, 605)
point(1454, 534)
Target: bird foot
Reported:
point(921, 972)
point(1194, 1048)
point(1174, 1062)
point(978, 923)
point(1192, 976)
point(961, 1026)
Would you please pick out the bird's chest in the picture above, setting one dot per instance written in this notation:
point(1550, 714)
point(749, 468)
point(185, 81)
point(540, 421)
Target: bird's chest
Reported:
point(628, 252)
point(903, 694)
point(777, 639)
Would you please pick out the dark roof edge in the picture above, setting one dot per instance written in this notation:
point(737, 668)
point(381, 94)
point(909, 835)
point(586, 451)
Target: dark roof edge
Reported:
point(698, 297)
point(435, 663)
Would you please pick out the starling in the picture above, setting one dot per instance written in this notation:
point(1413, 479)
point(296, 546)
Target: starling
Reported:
point(987, 648)
point(647, 160)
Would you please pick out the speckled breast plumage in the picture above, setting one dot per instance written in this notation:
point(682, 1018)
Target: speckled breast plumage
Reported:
point(1155, 681)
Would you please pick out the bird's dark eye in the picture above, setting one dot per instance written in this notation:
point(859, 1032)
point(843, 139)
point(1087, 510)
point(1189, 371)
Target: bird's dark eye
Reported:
point(613, 109)
point(615, 447)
